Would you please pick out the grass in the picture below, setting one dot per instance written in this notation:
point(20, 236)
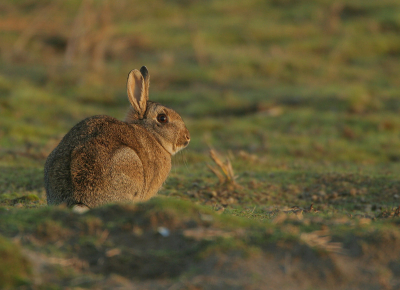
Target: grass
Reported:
point(301, 96)
point(15, 268)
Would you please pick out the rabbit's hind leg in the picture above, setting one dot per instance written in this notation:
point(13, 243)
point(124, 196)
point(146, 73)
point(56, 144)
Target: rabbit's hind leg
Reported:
point(126, 176)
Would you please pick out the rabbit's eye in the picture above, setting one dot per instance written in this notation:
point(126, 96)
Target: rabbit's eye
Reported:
point(162, 118)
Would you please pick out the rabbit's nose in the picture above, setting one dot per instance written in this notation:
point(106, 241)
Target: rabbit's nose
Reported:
point(187, 137)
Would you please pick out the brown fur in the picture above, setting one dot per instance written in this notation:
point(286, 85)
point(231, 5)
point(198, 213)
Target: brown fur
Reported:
point(103, 160)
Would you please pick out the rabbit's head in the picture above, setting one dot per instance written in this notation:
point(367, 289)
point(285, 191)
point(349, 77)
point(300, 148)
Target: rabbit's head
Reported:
point(163, 123)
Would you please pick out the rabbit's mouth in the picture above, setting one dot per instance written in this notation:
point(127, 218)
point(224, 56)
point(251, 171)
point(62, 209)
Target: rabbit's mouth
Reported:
point(182, 141)
point(172, 148)
point(179, 147)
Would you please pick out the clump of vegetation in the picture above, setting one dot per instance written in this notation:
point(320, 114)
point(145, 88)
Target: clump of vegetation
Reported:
point(15, 269)
point(225, 173)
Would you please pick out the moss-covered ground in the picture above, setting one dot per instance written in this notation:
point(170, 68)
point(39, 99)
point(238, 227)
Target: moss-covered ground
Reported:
point(303, 98)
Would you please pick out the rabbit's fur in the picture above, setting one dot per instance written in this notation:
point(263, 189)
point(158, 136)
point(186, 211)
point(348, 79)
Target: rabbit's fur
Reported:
point(103, 160)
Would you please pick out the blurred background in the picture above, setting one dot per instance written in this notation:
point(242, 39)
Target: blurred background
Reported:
point(303, 96)
point(315, 80)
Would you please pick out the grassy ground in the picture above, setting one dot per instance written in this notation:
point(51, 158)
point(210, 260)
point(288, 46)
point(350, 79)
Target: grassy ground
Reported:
point(301, 96)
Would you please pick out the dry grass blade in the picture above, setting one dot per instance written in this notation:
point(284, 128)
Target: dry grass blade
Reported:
point(231, 176)
point(199, 234)
point(227, 176)
point(36, 24)
point(220, 176)
point(321, 240)
point(397, 211)
point(219, 162)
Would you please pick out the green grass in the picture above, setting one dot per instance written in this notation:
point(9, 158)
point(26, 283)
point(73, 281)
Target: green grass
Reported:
point(302, 96)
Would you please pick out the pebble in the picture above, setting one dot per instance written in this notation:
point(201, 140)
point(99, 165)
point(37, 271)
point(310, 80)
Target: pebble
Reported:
point(334, 195)
point(163, 231)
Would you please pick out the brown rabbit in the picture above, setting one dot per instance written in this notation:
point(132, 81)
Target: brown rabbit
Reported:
point(103, 160)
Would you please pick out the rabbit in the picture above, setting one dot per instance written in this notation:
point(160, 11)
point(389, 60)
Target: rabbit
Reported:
point(103, 160)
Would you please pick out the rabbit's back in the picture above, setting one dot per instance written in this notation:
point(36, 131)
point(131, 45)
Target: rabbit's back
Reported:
point(104, 160)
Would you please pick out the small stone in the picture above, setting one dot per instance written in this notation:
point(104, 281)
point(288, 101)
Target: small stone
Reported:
point(113, 252)
point(214, 193)
point(334, 195)
point(231, 200)
point(252, 184)
point(314, 198)
point(163, 231)
point(137, 231)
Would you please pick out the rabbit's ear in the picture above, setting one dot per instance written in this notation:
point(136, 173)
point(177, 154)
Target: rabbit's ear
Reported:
point(136, 89)
point(146, 77)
